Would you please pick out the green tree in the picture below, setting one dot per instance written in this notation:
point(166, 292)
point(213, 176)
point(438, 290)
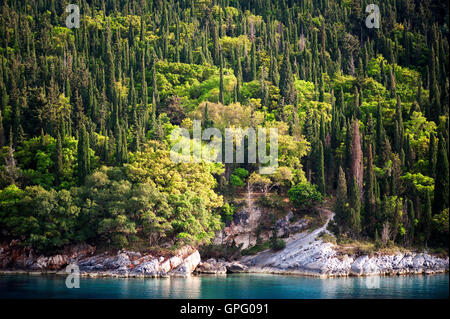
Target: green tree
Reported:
point(341, 206)
point(287, 89)
point(441, 188)
point(304, 194)
point(84, 163)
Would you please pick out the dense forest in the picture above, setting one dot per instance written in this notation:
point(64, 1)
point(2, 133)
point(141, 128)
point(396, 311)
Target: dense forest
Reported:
point(86, 114)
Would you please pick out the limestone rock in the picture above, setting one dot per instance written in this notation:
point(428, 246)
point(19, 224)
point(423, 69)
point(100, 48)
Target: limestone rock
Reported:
point(188, 266)
point(236, 267)
point(211, 266)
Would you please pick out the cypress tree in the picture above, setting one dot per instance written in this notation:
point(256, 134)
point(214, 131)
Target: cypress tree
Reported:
point(106, 148)
point(124, 148)
point(274, 76)
point(59, 156)
point(355, 204)
point(357, 170)
point(154, 98)
point(321, 177)
point(287, 89)
point(340, 207)
point(412, 220)
point(84, 165)
point(221, 89)
point(427, 219)
point(2, 131)
point(238, 67)
point(432, 156)
point(441, 185)
point(369, 193)
point(144, 96)
point(119, 146)
point(253, 62)
point(392, 86)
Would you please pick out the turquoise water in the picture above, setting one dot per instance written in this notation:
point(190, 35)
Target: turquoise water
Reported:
point(233, 286)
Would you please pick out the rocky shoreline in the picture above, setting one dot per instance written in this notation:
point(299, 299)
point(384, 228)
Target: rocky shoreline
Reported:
point(316, 258)
point(307, 254)
point(183, 263)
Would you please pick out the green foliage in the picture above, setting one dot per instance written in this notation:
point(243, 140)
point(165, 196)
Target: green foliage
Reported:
point(253, 250)
point(304, 194)
point(278, 244)
point(236, 181)
point(73, 100)
point(242, 173)
point(227, 212)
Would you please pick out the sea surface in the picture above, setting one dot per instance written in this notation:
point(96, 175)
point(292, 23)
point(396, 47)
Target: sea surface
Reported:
point(234, 286)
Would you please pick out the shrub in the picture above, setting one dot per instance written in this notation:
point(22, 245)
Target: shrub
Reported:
point(227, 212)
point(327, 238)
point(272, 201)
point(255, 249)
point(236, 181)
point(304, 194)
point(241, 172)
point(277, 244)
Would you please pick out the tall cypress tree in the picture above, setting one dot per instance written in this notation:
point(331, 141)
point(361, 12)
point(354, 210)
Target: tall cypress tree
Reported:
point(154, 99)
point(412, 221)
point(427, 219)
point(287, 89)
point(321, 176)
point(357, 171)
point(370, 193)
point(432, 156)
point(84, 165)
point(441, 185)
point(355, 212)
point(340, 208)
point(59, 156)
point(253, 62)
point(221, 94)
point(2, 131)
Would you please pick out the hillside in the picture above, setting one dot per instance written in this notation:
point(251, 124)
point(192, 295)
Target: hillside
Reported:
point(87, 116)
